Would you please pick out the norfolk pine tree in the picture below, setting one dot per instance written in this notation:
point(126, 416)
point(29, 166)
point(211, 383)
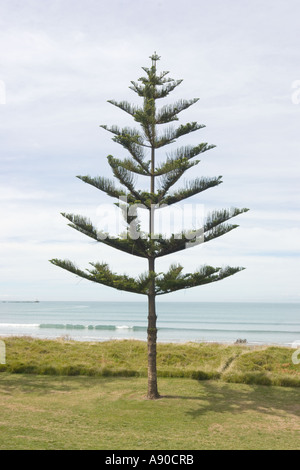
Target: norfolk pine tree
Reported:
point(141, 145)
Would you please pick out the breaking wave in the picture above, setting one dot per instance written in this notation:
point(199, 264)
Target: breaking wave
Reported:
point(69, 326)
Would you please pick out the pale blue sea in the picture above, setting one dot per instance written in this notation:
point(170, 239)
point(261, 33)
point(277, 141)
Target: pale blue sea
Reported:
point(258, 323)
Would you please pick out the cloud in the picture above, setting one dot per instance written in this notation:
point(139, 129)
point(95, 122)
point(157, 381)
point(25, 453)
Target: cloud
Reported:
point(60, 64)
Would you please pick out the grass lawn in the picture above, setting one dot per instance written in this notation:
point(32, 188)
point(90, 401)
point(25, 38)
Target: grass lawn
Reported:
point(63, 412)
point(63, 394)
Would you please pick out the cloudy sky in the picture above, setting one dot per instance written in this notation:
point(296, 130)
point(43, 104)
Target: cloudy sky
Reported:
point(61, 60)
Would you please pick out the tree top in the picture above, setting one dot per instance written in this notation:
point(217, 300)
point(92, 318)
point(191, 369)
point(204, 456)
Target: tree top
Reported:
point(154, 57)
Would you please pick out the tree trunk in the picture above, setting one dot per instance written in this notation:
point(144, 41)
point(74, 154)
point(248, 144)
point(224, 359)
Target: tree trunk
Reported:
point(152, 335)
point(152, 330)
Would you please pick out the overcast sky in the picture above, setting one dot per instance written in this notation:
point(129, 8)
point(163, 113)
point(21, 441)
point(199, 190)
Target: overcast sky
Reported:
point(61, 60)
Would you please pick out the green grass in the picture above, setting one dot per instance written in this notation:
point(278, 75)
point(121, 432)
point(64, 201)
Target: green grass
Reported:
point(269, 366)
point(61, 412)
point(63, 394)
point(128, 358)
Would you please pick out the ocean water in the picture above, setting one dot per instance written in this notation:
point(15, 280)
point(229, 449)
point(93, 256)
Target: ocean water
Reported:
point(258, 323)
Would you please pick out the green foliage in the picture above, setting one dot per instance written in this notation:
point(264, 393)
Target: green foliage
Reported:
point(127, 164)
point(169, 113)
point(104, 184)
point(180, 157)
point(192, 187)
point(139, 143)
point(174, 279)
point(103, 275)
point(165, 283)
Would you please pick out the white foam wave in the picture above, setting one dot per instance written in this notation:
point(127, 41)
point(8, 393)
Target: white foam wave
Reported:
point(19, 325)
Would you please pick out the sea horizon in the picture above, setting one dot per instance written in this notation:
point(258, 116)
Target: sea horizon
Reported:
point(224, 322)
point(159, 301)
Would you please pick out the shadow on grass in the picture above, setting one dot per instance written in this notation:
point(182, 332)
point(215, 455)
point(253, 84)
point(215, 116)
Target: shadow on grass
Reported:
point(43, 384)
point(236, 399)
point(209, 396)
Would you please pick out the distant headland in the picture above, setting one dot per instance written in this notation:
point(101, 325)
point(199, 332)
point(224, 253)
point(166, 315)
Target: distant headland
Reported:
point(20, 301)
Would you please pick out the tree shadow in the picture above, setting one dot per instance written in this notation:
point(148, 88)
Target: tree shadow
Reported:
point(214, 396)
point(45, 384)
point(222, 398)
point(181, 397)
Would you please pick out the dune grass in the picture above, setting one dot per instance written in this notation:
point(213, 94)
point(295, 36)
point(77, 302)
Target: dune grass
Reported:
point(128, 358)
point(269, 366)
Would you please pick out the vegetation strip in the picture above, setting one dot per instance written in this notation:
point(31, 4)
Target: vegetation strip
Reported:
point(264, 365)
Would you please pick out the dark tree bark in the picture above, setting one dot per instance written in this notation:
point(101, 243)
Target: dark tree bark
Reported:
point(152, 339)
